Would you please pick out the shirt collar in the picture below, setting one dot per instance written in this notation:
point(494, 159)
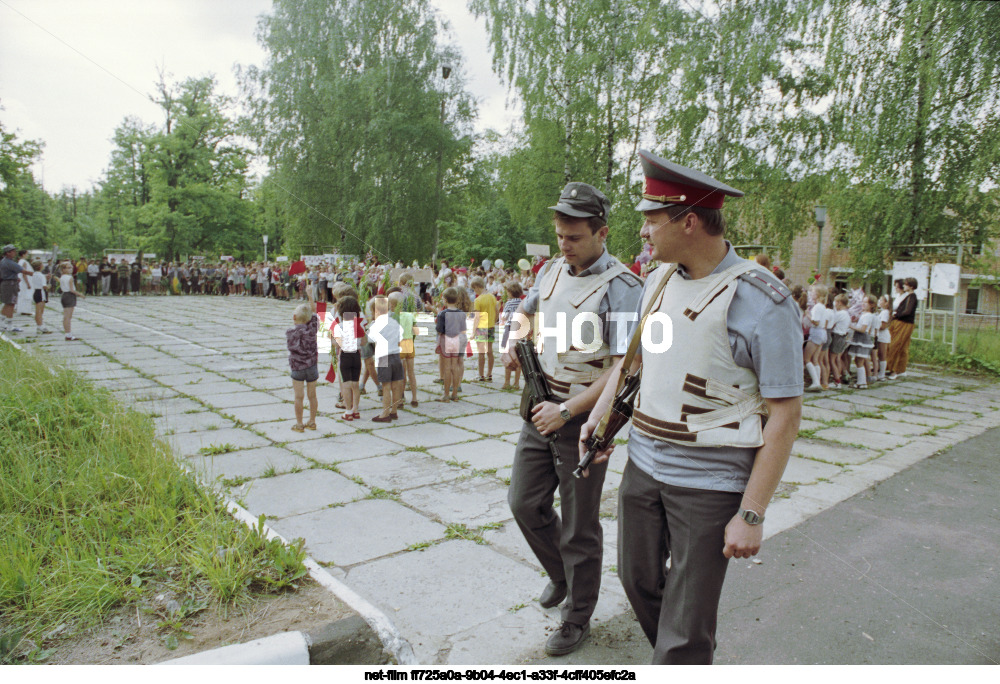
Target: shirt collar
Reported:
point(602, 264)
point(731, 259)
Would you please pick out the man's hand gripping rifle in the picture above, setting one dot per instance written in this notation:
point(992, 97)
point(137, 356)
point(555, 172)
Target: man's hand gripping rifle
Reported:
point(536, 388)
point(612, 421)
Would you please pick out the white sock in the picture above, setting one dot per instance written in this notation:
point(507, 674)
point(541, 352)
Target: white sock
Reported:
point(813, 373)
point(6, 324)
point(881, 369)
point(862, 377)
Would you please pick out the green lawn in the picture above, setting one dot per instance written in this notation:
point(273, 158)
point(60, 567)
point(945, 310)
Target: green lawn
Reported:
point(978, 350)
point(94, 513)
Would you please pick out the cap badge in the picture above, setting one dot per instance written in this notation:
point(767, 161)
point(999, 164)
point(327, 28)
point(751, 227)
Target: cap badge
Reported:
point(572, 193)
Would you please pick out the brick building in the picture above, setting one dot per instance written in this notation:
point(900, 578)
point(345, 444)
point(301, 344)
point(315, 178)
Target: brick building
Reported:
point(978, 295)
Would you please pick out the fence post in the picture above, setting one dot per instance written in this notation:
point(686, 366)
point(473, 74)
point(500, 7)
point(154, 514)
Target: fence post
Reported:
point(954, 328)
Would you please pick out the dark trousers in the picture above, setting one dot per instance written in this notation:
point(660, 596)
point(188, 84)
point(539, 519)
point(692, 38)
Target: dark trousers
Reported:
point(91, 284)
point(677, 608)
point(569, 548)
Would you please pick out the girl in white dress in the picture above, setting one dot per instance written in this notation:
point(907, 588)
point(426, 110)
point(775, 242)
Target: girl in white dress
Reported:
point(25, 305)
point(884, 337)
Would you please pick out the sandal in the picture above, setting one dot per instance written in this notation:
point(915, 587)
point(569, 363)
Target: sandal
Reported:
point(356, 416)
point(393, 416)
point(506, 386)
point(340, 405)
point(414, 403)
point(444, 398)
point(363, 391)
point(348, 416)
point(380, 419)
point(298, 427)
point(311, 425)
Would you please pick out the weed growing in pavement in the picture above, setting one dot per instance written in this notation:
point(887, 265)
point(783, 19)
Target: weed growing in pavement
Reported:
point(419, 546)
point(216, 449)
point(379, 493)
point(97, 514)
point(460, 531)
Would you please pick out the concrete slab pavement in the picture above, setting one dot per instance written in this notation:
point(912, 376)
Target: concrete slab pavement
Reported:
point(410, 514)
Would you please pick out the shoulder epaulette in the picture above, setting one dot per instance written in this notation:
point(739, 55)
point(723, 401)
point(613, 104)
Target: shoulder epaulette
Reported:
point(631, 279)
point(768, 284)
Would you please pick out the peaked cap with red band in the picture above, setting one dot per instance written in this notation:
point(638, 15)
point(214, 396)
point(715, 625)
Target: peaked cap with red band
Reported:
point(669, 184)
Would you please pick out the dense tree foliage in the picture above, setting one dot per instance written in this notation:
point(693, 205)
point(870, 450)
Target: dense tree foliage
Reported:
point(884, 110)
point(915, 121)
point(361, 129)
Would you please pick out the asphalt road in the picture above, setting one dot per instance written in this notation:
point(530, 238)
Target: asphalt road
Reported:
point(907, 572)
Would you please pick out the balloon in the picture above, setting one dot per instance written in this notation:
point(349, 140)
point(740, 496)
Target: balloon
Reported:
point(498, 263)
point(486, 264)
point(523, 264)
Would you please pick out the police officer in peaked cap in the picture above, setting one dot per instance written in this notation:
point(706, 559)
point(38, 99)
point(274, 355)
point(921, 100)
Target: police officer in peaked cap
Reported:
point(588, 285)
point(702, 461)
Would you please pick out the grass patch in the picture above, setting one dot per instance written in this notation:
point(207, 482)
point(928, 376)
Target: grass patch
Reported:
point(977, 352)
point(95, 513)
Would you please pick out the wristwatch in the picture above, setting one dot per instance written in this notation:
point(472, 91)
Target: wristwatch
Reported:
point(564, 413)
point(750, 517)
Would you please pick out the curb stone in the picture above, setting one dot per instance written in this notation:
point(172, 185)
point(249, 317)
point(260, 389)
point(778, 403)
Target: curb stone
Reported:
point(349, 641)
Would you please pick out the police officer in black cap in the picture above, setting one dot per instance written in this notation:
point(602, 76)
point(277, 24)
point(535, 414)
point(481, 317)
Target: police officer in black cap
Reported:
point(702, 463)
point(579, 302)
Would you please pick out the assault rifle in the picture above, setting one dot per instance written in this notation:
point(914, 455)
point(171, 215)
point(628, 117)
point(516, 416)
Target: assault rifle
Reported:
point(611, 423)
point(536, 388)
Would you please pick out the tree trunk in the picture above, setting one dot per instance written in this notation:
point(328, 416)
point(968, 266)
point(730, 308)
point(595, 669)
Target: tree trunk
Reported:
point(918, 180)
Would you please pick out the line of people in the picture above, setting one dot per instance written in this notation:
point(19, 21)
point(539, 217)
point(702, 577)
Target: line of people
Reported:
point(855, 334)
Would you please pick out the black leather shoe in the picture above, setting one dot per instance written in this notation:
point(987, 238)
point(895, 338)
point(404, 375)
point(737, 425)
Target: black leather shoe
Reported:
point(553, 594)
point(567, 638)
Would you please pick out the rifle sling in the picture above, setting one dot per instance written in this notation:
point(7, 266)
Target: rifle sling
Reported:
point(633, 348)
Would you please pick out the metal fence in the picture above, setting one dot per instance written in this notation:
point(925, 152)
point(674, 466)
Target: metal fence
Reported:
point(933, 325)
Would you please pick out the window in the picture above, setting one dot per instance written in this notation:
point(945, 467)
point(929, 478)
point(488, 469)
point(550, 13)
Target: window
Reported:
point(972, 301)
point(841, 284)
point(942, 302)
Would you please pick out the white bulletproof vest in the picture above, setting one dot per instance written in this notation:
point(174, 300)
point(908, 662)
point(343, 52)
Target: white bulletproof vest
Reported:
point(568, 333)
point(694, 393)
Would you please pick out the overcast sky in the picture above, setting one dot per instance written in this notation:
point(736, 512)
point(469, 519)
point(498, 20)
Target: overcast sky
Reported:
point(72, 70)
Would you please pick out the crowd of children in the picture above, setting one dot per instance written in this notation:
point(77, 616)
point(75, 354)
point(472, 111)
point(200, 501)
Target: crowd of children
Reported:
point(847, 336)
point(377, 340)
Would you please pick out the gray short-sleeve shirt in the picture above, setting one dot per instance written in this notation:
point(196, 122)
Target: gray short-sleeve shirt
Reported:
point(616, 309)
point(765, 335)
